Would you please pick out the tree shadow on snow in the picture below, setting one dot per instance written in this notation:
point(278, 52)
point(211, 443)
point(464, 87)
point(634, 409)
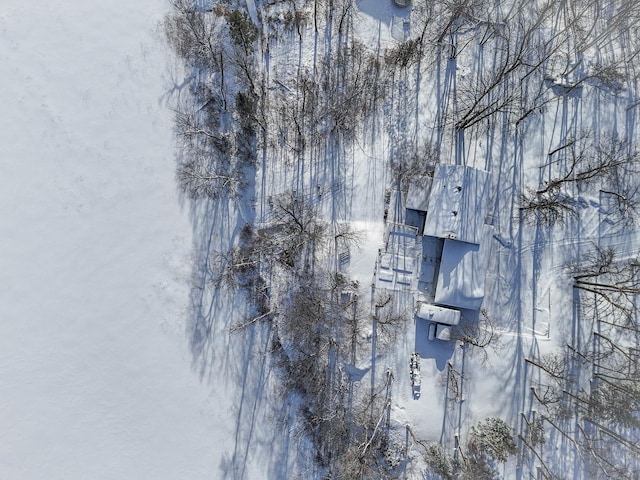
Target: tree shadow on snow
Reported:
point(383, 10)
point(234, 361)
point(263, 430)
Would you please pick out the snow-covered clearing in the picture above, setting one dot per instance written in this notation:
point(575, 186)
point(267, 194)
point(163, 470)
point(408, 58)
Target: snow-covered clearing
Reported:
point(97, 377)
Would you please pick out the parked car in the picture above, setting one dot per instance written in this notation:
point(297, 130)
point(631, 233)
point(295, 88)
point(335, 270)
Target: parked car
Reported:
point(439, 331)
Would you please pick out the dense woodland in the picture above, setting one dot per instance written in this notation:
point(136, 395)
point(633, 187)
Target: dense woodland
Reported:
point(292, 86)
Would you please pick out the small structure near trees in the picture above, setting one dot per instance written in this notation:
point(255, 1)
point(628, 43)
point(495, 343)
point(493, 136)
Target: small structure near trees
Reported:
point(442, 319)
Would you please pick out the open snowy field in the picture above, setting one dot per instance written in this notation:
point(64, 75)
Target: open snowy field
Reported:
point(96, 377)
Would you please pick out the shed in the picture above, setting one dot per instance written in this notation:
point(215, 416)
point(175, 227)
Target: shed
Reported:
point(435, 313)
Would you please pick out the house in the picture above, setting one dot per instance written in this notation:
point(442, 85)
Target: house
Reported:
point(456, 236)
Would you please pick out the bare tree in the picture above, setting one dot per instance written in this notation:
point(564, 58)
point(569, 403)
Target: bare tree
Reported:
point(195, 34)
point(549, 208)
point(589, 162)
point(490, 441)
point(415, 165)
point(439, 461)
point(552, 364)
point(548, 390)
point(523, 51)
point(492, 437)
point(405, 54)
point(346, 236)
point(316, 328)
point(480, 335)
point(213, 154)
point(208, 166)
point(297, 228)
point(601, 397)
point(613, 284)
point(389, 322)
point(199, 177)
point(582, 162)
point(452, 381)
point(243, 34)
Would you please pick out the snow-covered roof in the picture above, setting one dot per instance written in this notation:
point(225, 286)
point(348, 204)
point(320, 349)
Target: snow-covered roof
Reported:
point(438, 314)
point(418, 194)
point(463, 267)
point(458, 203)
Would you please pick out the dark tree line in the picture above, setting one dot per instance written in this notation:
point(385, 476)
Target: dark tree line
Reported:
point(215, 125)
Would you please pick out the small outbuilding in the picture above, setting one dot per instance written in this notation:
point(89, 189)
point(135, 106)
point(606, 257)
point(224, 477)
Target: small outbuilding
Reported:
point(437, 314)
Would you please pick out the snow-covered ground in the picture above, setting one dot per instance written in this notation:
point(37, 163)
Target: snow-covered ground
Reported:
point(528, 291)
point(116, 357)
point(96, 377)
